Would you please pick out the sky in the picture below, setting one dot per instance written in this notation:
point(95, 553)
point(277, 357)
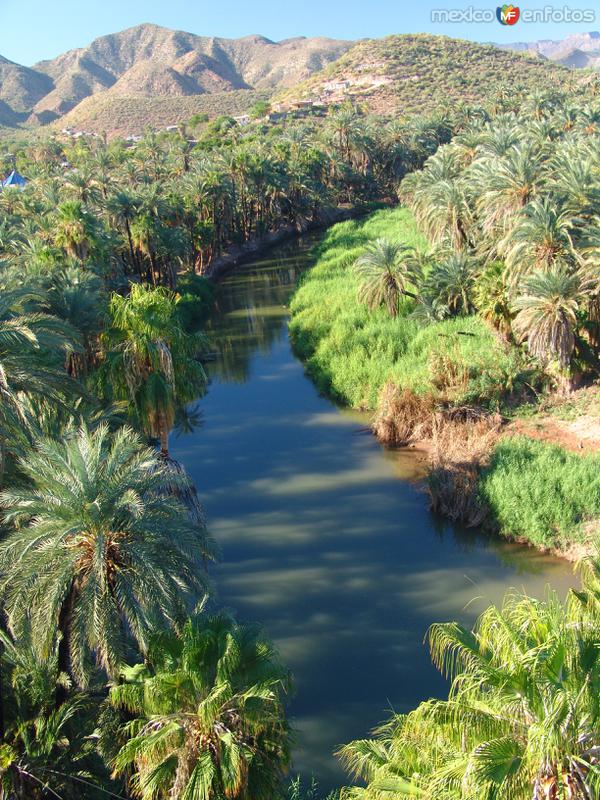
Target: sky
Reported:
point(32, 30)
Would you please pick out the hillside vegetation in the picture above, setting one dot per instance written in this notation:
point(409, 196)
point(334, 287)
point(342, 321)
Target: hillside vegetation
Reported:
point(123, 116)
point(412, 73)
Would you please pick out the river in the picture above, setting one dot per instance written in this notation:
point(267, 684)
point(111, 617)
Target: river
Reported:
point(326, 536)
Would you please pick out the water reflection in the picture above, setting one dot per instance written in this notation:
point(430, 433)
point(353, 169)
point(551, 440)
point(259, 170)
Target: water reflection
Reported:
point(250, 313)
point(326, 537)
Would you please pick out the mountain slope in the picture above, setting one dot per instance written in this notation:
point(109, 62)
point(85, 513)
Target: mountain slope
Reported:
point(148, 60)
point(20, 87)
point(123, 116)
point(411, 73)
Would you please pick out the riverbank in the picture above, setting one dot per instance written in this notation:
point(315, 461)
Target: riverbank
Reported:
point(236, 255)
point(440, 384)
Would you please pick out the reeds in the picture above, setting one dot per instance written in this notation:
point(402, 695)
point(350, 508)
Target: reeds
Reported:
point(402, 416)
point(459, 448)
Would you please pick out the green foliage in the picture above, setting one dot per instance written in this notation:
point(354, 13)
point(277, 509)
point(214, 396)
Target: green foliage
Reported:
point(151, 358)
point(260, 109)
point(46, 742)
point(197, 296)
point(351, 352)
point(206, 715)
point(516, 193)
point(98, 554)
point(540, 492)
point(521, 719)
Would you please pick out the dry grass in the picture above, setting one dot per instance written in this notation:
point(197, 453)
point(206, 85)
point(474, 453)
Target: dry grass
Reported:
point(460, 440)
point(403, 416)
point(449, 373)
point(459, 447)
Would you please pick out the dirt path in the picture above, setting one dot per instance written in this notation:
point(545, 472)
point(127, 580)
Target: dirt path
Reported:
point(580, 434)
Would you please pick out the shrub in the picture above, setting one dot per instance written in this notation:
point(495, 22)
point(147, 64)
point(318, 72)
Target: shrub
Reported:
point(541, 493)
point(403, 416)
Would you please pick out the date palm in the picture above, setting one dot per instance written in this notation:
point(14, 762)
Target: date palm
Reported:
point(448, 286)
point(385, 272)
point(76, 230)
point(33, 346)
point(45, 749)
point(444, 212)
point(504, 185)
point(98, 554)
point(122, 209)
point(540, 239)
point(547, 314)
point(78, 297)
point(151, 360)
point(208, 718)
point(491, 297)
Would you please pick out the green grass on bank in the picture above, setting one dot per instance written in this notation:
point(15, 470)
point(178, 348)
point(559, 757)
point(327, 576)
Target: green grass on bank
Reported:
point(351, 352)
point(541, 492)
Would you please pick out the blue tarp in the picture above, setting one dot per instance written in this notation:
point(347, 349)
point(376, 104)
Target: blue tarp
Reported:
point(14, 179)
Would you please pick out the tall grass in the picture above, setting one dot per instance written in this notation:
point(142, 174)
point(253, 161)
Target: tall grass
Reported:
point(351, 352)
point(541, 492)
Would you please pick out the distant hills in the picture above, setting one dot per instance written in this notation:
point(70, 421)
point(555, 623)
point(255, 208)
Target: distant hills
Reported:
point(157, 76)
point(149, 61)
point(579, 51)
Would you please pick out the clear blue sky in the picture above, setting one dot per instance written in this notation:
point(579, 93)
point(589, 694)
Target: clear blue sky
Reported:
point(31, 30)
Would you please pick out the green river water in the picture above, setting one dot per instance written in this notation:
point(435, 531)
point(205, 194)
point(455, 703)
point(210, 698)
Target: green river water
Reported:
point(326, 536)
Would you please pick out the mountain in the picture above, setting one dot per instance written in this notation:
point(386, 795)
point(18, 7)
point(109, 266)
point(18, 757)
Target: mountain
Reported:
point(20, 89)
point(578, 51)
point(411, 73)
point(153, 75)
point(148, 60)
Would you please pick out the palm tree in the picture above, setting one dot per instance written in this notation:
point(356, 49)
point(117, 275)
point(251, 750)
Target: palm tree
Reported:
point(76, 230)
point(491, 297)
point(443, 210)
point(151, 360)
point(78, 298)
point(45, 749)
point(122, 209)
point(540, 239)
point(522, 720)
point(385, 273)
point(503, 187)
point(207, 712)
point(448, 286)
point(547, 314)
point(31, 346)
point(98, 554)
